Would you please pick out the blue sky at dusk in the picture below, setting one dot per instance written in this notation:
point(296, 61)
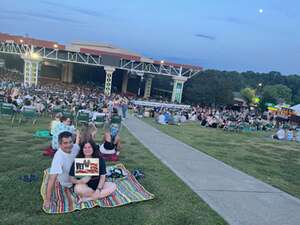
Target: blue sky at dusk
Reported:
point(217, 34)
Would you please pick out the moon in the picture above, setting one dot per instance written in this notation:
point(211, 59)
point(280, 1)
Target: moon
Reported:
point(261, 10)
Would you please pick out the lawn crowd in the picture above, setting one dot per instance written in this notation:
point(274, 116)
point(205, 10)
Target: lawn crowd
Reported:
point(66, 103)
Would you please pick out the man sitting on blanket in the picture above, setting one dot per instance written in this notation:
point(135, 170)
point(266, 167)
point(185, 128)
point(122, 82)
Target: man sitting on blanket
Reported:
point(61, 163)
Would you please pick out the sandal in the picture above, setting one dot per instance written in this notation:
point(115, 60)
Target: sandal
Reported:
point(25, 178)
point(33, 177)
point(28, 178)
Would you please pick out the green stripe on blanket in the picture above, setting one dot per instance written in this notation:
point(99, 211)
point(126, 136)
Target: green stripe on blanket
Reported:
point(64, 200)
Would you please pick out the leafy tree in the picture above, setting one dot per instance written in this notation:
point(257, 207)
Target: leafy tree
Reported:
point(208, 88)
point(277, 94)
point(296, 98)
point(248, 94)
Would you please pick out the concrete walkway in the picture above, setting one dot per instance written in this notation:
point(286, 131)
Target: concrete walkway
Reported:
point(236, 196)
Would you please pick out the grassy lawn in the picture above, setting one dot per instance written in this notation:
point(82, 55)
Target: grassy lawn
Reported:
point(21, 154)
point(274, 162)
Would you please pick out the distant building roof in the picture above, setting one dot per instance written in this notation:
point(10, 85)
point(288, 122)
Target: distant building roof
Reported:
point(29, 41)
point(92, 48)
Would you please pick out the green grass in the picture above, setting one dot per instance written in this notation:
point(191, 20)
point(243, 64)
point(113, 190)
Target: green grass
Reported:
point(274, 162)
point(21, 153)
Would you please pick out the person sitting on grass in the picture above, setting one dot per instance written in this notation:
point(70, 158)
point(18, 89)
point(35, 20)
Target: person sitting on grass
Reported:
point(9, 103)
point(280, 134)
point(65, 125)
point(167, 116)
point(54, 122)
point(94, 187)
point(290, 135)
point(171, 119)
point(28, 106)
point(61, 164)
point(111, 142)
point(182, 118)
point(161, 118)
point(297, 135)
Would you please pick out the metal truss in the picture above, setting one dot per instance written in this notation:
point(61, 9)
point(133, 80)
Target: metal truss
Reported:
point(159, 69)
point(148, 85)
point(95, 60)
point(108, 81)
point(51, 53)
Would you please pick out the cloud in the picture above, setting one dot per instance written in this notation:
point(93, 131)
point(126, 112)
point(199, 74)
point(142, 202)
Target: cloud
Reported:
point(55, 18)
point(10, 17)
point(205, 36)
point(230, 19)
point(88, 12)
point(236, 20)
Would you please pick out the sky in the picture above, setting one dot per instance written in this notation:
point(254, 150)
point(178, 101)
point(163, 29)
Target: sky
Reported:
point(241, 35)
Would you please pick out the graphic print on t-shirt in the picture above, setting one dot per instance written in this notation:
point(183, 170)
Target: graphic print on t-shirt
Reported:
point(86, 167)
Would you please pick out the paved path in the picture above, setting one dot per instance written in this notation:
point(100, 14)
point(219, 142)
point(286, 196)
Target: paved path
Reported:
point(236, 196)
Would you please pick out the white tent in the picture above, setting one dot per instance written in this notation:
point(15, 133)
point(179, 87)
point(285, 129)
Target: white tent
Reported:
point(296, 108)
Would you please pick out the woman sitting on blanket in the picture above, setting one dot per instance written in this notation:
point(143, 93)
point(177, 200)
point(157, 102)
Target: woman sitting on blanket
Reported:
point(94, 187)
point(111, 146)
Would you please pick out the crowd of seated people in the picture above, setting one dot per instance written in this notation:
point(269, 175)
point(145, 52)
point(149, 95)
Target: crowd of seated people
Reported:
point(55, 99)
point(223, 118)
point(287, 133)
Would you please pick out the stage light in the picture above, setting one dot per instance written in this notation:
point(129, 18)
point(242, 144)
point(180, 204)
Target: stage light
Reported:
point(55, 46)
point(35, 56)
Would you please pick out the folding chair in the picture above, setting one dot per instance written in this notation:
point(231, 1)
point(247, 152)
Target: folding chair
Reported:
point(8, 110)
point(82, 117)
point(68, 114)
point(116, 120)
point(100, 120)
point(269, 126)
point(28, 114)
point(55, 111)
point(232, 127)
point(246, 127)
point(46, 111)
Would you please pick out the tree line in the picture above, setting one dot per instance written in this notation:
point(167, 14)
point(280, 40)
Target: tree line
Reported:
point(216, 88)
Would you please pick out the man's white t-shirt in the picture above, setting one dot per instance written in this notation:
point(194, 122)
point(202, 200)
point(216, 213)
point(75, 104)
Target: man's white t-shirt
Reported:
point(281, 134)
point(62, 163)
point(161, 119)
point(95, 114)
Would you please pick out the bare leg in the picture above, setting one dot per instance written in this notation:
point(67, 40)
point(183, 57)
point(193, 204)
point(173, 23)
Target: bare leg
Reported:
point(83, 192)
point(108, 189)
point(118, 144)
point(88, 194)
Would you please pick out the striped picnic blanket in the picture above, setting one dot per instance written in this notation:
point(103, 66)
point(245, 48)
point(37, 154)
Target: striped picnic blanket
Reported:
point(64, 200)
